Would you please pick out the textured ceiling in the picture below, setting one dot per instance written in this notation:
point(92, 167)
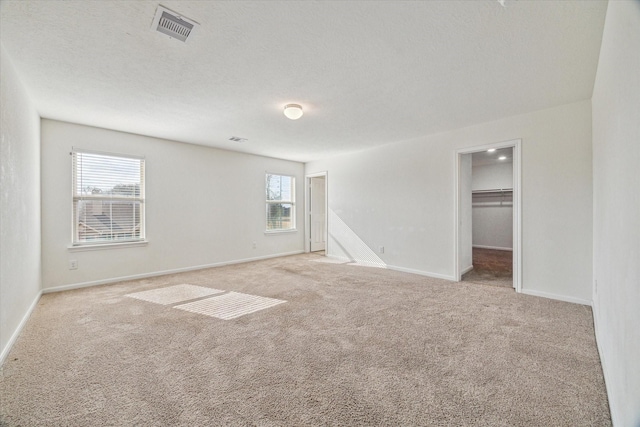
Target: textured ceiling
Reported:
point(366, 73)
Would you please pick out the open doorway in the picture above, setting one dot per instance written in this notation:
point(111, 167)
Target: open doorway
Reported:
point(488, 249)
point(491, 217)
point(317, 212)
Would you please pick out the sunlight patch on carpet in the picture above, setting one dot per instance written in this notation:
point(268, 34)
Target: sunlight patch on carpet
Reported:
point(174, 294)
point(328, 260)
point(230, 305)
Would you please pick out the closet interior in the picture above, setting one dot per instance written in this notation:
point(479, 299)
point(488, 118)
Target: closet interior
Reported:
point(492, 218)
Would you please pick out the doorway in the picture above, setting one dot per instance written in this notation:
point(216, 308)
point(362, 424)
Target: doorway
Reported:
point(488, 230)
point(317, 212)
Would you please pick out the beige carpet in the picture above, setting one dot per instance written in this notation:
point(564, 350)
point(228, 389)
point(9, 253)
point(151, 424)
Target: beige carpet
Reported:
point(351, 346)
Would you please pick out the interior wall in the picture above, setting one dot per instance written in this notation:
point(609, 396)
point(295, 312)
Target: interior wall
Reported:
point(492, 223)
point(492, 176)
point(616, 209)
point(401, 196)
point(204, 206)
point(465, 239)
point(20, 204)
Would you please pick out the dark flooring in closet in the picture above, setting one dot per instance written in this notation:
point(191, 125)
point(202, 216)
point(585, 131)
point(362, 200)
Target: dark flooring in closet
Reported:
point(491, 267)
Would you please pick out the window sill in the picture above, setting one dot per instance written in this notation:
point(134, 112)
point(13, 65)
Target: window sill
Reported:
point(293, 230)
point(99, 247)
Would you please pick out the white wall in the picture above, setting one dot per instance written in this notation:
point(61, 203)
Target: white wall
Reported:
point(616, 230)
point(19, 204)
point(492, 222)
point(492, 176)
point(401, 196)
point(466, 230)
point(203, 206)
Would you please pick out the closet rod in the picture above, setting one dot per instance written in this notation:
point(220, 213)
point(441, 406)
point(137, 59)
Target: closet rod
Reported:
point(497, 190)
point(489, 204)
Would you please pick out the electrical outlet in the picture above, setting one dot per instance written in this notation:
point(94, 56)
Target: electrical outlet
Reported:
point(254, 245)
point(73, 264)
point(381, 249)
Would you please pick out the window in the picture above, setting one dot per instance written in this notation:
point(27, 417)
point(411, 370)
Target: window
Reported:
point(108, 198)
point(280, 203)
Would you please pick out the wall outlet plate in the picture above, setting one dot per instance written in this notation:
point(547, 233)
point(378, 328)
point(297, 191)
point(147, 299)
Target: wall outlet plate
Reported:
point(73, 264)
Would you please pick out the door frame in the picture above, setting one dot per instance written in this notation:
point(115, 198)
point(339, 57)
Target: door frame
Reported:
point(307, 210)
point(516, 144)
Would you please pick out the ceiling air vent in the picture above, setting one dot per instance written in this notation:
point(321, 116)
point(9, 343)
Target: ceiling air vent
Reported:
point(237, 139)
point(173, 24)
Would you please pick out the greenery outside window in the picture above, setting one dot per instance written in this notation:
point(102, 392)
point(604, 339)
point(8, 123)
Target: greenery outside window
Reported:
point(280, 192)
point(108, 198)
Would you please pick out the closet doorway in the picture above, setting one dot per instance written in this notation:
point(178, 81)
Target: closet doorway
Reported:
point(488, 249)
point(317, 212)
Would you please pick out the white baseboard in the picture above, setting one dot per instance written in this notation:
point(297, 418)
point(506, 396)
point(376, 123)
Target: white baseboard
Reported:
point(466, 270)
point(16, 333)
point(395, 268)
point(556, 297)
point(356, 262)
point(161, 273)
point(495, 248)
point(422, 273)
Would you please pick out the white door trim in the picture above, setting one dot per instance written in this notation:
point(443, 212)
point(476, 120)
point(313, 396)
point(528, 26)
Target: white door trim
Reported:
point(517, 206)
point(307, 210)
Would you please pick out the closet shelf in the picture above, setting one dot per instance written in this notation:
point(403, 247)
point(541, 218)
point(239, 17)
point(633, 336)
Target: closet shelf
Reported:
point(493, 191)
point(491, 204)
point(488, 197)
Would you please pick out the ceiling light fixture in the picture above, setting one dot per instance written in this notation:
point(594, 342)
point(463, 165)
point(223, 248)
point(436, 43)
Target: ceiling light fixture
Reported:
point(491, 150)
point(293, 111)
point(502, 158)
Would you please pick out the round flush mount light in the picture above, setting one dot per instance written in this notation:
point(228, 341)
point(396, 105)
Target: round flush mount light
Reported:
point(491, 150)
point(502, 158)
point(293, 111)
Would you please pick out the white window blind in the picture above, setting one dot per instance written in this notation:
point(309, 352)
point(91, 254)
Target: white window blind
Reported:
point(108, 198)
point(280, 202)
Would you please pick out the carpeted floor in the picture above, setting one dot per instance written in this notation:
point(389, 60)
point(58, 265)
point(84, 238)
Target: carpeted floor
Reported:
point(491, 267)
point(351, 346)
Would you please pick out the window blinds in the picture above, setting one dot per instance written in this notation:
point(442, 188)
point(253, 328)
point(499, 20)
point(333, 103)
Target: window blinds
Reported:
point(108, 198)
point(280, 202)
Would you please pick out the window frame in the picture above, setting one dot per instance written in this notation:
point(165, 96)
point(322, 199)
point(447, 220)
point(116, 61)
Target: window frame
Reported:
point(291, 202)
point(140, 198)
